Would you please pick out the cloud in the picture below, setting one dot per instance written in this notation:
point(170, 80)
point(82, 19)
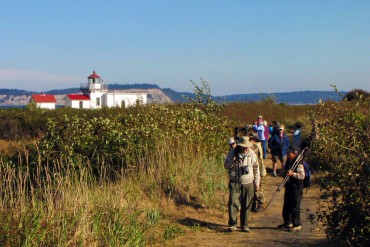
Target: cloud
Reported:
point(36, 80)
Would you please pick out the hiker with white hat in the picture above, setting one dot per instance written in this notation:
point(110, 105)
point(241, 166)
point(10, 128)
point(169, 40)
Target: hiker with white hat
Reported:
point(248, 178)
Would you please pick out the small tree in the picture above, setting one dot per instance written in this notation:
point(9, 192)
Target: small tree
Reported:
point(269, 98)
point(203, 98)
point(357, 95)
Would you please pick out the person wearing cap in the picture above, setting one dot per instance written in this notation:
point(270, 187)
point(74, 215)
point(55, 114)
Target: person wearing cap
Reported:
point(259, 197)
point(293, 192)
point(248, 175)
point(260, 128)
point(233, 204)
point(278, 143)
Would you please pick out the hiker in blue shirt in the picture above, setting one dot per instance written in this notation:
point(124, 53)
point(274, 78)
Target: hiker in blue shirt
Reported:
point(278, 143)
point(260, 128)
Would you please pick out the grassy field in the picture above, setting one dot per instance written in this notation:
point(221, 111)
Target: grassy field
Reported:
point(102, 177)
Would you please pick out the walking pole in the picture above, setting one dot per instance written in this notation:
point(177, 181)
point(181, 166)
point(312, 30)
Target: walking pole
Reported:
point(295, 164)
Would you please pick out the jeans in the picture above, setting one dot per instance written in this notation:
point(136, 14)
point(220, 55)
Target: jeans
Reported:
point(264, 148)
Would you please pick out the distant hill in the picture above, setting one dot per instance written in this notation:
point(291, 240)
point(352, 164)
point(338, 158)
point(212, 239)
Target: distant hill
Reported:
point(21, 97)
point(300, 97)
point(177, 97)
point(63, 91)
point(132, 86)
point(4, 91)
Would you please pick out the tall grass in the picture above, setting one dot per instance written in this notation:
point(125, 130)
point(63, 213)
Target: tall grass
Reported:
point(64, 207)
point(101, 181)
point(102, 177)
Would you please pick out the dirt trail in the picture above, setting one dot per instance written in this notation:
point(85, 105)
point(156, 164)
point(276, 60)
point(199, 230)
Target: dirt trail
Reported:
point(205, 227)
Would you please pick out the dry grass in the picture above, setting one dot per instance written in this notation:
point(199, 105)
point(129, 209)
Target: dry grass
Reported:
point(56, 206)
point(246, 113)
point(53, 205)
point(10, 148)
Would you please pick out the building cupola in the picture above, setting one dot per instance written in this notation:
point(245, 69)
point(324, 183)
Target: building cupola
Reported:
point(94, 84)
point(94, 78)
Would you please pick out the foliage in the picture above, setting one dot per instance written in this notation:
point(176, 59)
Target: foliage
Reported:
point(98, 177)
point(342, 149)
point(88, 176)
point(357, 94)
point(203, 98)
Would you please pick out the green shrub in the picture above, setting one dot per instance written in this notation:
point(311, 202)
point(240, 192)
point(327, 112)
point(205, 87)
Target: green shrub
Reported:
point(341, 150)
point(91, 175)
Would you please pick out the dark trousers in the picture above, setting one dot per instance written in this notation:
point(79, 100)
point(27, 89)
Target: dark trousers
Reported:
point(234, 203)
point(292, 205)
point(246, 199)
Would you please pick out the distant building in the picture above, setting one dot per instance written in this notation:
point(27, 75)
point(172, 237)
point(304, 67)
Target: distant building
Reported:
point(42, 100)
point(95, 94)
point(77, 101)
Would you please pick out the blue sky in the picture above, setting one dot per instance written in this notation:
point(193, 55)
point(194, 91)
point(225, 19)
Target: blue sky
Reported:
point(236, 46)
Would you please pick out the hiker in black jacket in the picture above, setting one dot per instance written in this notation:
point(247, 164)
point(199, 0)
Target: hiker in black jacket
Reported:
point(293, 192)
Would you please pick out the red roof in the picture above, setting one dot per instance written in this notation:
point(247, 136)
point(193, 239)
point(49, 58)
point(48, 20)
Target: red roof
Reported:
point(93, 76)
point(44, 98)
point(78, 97)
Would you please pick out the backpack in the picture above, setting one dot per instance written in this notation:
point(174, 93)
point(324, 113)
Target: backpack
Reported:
point(307, 175)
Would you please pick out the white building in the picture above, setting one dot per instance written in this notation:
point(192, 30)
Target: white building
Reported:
point(42, 100)
point(95, 94)
point(77, 101)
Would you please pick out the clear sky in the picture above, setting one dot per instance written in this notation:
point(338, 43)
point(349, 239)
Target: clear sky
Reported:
point(245, 46)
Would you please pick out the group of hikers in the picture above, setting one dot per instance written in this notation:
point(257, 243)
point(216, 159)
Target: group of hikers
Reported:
point(245, 164)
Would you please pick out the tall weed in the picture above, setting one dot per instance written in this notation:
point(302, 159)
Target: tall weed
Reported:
point(99, 180)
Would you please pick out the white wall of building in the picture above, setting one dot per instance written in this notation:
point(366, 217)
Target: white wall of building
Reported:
point(76, 103)
point(93, 98)
point(117, 99)
point(46, 105)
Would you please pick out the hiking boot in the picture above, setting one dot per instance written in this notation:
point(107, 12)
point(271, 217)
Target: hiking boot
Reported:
point(231, 228)
point(295, 229)
point(245, 229)
point(285, 226)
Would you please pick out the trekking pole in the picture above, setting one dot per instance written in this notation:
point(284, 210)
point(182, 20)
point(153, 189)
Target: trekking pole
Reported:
point(295, 164)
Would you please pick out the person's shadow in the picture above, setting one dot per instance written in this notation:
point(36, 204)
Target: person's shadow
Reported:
point(192, 223)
